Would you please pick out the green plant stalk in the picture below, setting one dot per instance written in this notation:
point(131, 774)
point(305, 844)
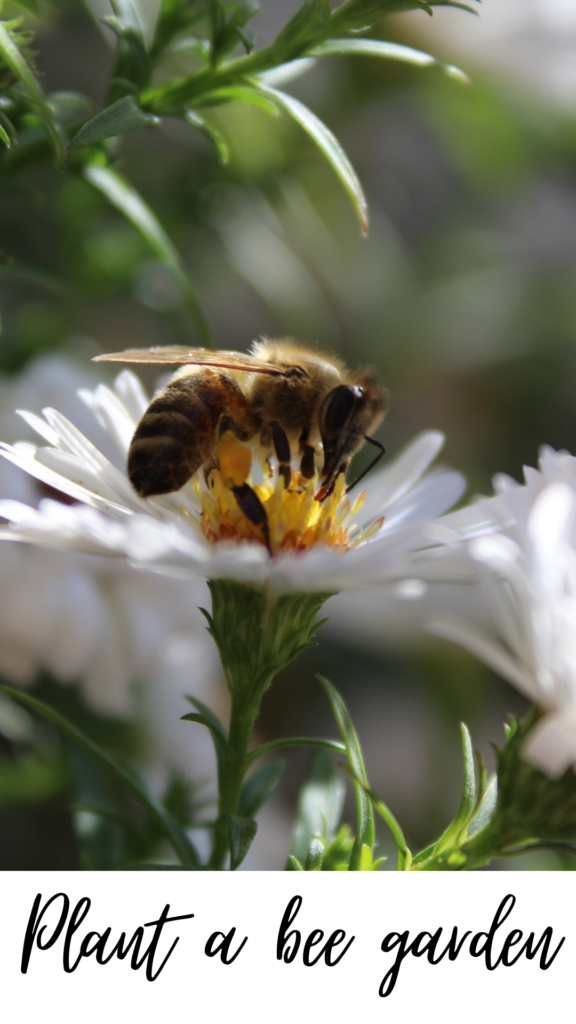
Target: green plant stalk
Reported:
point(257, 634)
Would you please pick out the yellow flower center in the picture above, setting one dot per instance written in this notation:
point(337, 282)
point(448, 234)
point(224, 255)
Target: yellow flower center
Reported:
point(296, 520)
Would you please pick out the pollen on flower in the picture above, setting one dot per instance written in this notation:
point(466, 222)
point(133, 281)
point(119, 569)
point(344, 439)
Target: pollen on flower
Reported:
point(296, 520)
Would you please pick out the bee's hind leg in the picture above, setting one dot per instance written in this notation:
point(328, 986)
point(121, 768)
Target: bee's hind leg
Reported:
point(234, 461)
point(250, 504)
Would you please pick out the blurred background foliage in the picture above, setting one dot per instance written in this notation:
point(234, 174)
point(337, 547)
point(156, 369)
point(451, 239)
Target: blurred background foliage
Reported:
point(462, 295)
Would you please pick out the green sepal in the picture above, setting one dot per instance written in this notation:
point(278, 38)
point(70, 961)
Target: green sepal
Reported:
point(259, 786)
point(259, 633)
point(241, 832)
point(365, 818)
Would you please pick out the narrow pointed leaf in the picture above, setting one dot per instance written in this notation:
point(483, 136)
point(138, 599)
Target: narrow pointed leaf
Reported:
point(468, 799)
point(287, 72)
point(294, 864)
point(216, 137)
point(308, 24)
point(204, 716)
point(241, 832)
point(213, 719)
point(328, 144)
point(365, 817)
point(175, 835)
point(388, 51)
point(118, 119)
point(130, 203)
point(5, 137)
point(486, 808)
point(259, 786)
point(296, 741)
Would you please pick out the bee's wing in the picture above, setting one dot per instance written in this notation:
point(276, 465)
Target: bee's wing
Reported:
point(180, 355)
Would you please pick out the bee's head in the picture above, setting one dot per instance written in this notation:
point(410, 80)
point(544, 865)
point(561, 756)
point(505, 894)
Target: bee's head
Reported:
point(348, 413)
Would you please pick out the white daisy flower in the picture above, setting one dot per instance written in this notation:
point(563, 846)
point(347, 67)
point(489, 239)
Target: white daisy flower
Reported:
point(342, 542)
point(526, 573)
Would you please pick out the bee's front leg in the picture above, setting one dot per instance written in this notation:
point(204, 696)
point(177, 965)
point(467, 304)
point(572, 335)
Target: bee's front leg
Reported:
point(282, 449)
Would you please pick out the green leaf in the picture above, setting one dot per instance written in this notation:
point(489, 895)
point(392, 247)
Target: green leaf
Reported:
point(130, 203)
point(259, 786)
point(10, 54)
point(329, 145)
point(307, 25)
point(319, 806)
point(294, 863)
point(241, 832)
point(241, 93)
point(118, 119)
point(216, 138)
point(207, 718)
point(365, 818)
point(362, 14)
point(295, 741)
point(485, 808)
point(389, 51)
point(168, 825)
point(5, 137)
point(287, 72)
point(468, 799)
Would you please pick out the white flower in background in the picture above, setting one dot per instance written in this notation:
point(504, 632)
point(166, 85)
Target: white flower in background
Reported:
point(526, 572)
point(91, 621)
point(199, 531)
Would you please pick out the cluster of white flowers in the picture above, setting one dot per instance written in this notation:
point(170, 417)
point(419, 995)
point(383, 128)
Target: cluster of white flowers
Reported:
point(91, 620)
point(100, 621)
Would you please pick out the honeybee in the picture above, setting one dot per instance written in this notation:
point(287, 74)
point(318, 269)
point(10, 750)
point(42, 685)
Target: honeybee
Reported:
point(283, 398)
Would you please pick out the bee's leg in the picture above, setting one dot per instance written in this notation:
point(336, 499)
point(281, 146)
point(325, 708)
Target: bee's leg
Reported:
point(234, 460)
point(282, 449)
point(341, 469)
point(308, 461)
point(253, 509)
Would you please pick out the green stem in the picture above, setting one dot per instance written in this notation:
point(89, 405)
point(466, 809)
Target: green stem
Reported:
point(257, 634)
point(236, 763)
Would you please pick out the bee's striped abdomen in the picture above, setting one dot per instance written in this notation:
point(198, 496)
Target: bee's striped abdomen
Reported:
point(177, 433)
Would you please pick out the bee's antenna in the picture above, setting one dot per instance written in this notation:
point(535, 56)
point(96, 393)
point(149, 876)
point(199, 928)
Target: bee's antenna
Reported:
point(374, 462)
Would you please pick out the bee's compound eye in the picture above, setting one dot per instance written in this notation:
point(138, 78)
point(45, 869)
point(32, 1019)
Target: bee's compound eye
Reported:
point(337, 408)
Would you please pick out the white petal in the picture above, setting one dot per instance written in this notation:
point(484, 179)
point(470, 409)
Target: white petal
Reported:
point(486, 648)
point(40, 426)
point(132, 395)
point(432, 496)
point(551, 744)
point(112, 415)
point(392, 483)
